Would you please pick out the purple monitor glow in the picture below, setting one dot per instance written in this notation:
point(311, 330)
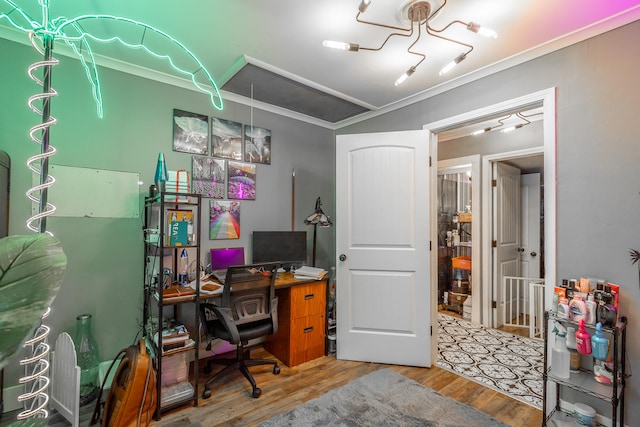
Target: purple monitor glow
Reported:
point(223, 258)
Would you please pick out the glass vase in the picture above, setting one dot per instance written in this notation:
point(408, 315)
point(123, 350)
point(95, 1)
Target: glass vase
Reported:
point(87, 359)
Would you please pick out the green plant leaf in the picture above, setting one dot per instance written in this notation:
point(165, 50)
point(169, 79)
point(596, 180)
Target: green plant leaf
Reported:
point(31, 271)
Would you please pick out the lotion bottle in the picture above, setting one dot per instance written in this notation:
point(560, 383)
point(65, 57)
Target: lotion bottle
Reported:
point(563, 308)
point(560, 354)
point(577, 308)
point(600, 344)
point(591, 310)
point(583, 339)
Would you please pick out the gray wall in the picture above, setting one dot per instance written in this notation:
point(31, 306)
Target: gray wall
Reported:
point(105, 256)
point(598, 178)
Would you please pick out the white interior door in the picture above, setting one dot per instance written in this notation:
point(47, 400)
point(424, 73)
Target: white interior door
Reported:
point(506, 229)
point(530, 259)
point(382, 244)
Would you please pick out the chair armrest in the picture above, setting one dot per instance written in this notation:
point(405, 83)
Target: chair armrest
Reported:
point(274, 314)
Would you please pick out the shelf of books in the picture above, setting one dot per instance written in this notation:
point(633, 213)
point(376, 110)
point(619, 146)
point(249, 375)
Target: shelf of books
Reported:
point(172, 279)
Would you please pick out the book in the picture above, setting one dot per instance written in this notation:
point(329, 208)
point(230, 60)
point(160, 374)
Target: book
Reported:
point(174, 349)
point(306, 272)
point(180, 227)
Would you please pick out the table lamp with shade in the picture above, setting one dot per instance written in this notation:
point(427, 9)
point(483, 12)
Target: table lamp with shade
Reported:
point(318, 219)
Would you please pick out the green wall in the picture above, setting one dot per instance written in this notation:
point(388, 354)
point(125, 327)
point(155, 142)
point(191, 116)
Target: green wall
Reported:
point(105, 255)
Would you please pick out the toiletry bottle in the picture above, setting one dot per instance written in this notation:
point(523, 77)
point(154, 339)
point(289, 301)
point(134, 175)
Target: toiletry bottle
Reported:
point(560, 354)
point(583, 339)
point(554, 303)
point(574, 356)
point(563, 308)
point(577, 308)
point(591, 310)
point(600, 344)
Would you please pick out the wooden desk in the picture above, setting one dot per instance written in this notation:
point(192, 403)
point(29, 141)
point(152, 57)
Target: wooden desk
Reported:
point(301, 320)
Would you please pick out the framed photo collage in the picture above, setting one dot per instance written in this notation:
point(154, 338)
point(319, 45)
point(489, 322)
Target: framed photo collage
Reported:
point(224, 158)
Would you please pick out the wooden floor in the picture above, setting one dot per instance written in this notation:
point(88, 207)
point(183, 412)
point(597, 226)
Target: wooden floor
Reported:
point(231, 403)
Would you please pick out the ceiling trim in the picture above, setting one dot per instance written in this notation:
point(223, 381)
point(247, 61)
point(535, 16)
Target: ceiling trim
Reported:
point(630, 15)
point(147, 73)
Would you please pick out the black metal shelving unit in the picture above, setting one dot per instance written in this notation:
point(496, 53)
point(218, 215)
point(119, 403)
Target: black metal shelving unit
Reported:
point(583, 381)
point(162, 263)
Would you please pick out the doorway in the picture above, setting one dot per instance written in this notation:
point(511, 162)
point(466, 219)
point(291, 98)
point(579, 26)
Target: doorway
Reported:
point(509, 250)
point(545, 100)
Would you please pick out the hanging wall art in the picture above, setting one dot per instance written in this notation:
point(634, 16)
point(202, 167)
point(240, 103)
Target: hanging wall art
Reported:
point(257, 145)
point(242, 181)
point(226, 139)
point(190, 132)
point(224, 219)
point(208, 177)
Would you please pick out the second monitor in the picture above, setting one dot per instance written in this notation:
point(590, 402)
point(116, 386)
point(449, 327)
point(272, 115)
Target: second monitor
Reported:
point(288, 247)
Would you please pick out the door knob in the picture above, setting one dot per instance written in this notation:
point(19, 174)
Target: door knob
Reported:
point(533, 253)
point(520, 249)
point(342, 257)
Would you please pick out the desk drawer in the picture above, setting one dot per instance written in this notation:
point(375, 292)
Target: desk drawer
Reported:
point(308, 299)
point(307, 339)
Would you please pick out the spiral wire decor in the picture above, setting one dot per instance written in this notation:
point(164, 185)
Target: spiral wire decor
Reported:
point(36, 382)
point(39, 163)
point(36, 365)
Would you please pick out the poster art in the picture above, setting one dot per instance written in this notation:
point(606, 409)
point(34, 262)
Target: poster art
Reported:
point(224, 219)
point(190, 132)
point(226, 139)
point(208, 177)
point(242, 181)
point(257, 145)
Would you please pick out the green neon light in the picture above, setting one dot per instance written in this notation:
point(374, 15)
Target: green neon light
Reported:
point(60, 28)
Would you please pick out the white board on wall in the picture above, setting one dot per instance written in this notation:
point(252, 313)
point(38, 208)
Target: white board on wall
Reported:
point(93, 193)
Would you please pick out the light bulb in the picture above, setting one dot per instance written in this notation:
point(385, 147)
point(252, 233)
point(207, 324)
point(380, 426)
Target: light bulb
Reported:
point(405, 76)
point(483, 31)
point(453, 63)
point(511, 128)
point(341, 45)
point(363, 5)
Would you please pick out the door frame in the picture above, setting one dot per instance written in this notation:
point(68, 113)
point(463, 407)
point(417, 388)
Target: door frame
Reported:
point(471, 163)
point(547, 99)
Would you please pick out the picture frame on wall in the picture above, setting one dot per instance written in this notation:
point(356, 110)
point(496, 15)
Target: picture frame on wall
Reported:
point(257, 145)
point(226, 139)
point(224, 219)
point(241, 180)
point(208, 177)
point(190, 132)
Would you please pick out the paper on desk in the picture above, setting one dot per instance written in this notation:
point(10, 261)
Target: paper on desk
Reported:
point(208, 286)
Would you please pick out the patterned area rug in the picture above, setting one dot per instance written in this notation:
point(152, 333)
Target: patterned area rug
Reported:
point(383, 398)
point(507, 363)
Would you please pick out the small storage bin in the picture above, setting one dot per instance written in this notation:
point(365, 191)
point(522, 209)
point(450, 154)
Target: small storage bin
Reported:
point(175, 369)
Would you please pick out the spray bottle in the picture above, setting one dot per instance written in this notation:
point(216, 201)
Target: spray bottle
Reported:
point(559, 353)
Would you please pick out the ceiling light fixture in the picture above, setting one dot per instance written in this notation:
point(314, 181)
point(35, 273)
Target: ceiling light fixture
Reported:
point(510, 128)
point(417, 14)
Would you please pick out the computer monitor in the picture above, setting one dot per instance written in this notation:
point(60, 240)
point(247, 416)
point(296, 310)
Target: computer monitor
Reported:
point(288, 247)
point(223, 258)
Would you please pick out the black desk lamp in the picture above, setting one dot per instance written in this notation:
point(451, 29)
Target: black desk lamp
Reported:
point(317, 218)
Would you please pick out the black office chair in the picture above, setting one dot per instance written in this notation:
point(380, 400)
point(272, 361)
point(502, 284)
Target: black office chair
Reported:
point(247, 309)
